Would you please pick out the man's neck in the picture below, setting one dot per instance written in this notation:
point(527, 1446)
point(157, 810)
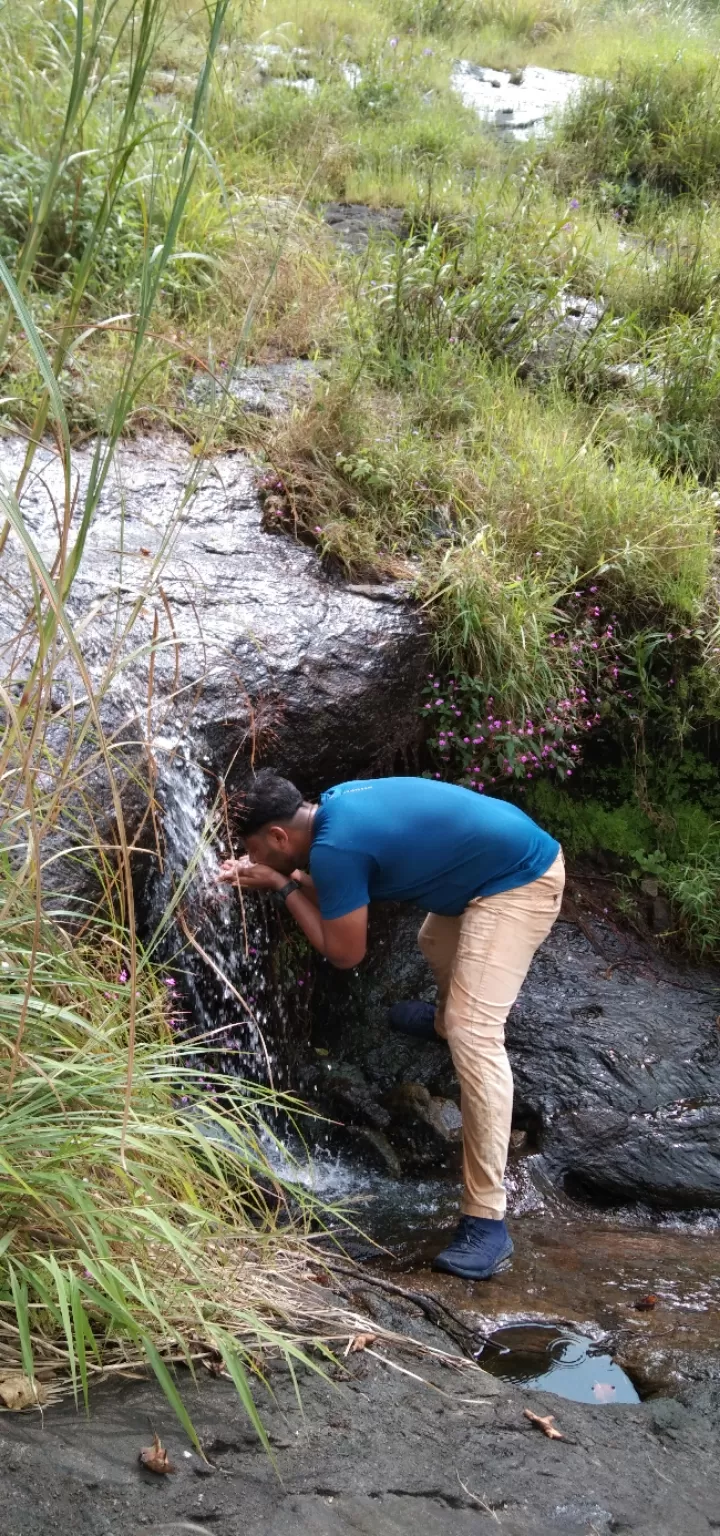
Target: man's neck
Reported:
point(305, 821)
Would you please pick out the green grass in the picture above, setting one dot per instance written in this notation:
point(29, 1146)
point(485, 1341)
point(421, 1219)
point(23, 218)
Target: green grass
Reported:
point(665, 828)
point(131, 1234)
point(495, 501)
point(651, 126)
point(151, 1239)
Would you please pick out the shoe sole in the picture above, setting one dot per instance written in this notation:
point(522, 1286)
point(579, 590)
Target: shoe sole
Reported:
point(484, 1274)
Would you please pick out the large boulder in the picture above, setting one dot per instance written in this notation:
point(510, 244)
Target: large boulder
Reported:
point(616, 1062)
point(257, 648)
point(618, 1066)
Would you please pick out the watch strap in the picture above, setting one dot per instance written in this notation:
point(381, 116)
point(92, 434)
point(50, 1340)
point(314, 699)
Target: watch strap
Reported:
point(286, 890)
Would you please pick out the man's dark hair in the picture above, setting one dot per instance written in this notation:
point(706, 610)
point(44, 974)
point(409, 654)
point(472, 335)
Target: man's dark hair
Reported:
point(268, 798)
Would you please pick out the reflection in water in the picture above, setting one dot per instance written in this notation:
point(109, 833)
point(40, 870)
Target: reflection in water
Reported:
point(553, 1359)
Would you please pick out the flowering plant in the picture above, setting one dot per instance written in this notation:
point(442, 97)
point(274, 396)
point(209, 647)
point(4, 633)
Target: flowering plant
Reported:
point(477, 742)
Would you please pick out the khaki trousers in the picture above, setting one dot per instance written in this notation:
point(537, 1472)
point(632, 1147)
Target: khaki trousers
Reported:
point(480, 960)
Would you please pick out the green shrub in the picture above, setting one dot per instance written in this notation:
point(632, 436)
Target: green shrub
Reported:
point(654, 828)
point(76, 206)
point(654, 125)
point(683, 394)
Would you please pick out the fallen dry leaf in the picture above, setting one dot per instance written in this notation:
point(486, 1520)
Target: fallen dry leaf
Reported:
point(646, 1303)
point(18, 1391)
point(547, 1424)
point(360, 1341)
point(603, 1391)
point(156, 1458)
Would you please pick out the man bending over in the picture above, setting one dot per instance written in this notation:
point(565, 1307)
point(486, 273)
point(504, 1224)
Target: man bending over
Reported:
point(491, 883)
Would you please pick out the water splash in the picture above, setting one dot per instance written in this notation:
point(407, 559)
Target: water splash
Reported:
point(216, 944)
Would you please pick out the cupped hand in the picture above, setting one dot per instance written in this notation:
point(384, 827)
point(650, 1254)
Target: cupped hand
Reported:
point(252, 877)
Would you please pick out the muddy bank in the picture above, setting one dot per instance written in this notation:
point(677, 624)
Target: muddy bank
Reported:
point(376, 1451)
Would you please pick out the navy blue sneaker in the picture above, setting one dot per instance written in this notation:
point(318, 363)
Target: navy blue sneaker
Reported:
point(478, 1249)
point(416, 1019)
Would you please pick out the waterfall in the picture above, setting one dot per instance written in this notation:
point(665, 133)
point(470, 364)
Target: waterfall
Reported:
point(221, 948)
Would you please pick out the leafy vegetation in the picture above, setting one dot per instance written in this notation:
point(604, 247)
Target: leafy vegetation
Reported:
point(142, 1220)
point(666, 836)
point(146, 1234)
point(651, 127)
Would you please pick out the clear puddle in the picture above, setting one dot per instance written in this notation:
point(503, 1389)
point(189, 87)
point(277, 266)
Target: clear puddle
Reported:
point(554, 1359)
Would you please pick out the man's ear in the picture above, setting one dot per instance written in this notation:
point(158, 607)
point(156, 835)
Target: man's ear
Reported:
point(278, 837)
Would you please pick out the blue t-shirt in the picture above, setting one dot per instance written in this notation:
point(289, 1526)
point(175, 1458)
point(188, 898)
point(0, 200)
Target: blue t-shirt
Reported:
point(422, 841)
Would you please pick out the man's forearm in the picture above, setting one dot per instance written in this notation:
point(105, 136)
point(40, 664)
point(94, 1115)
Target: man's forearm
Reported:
point(308, 885)
point(306, 914)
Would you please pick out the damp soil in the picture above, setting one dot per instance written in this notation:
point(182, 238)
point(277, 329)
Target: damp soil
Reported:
point(399, 1441)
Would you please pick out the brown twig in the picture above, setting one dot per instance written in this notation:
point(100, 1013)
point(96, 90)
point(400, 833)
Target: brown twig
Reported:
point(437, 1312)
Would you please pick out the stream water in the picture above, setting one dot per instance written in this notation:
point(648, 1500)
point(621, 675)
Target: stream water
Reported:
point(576, 1296)
point(218, 952)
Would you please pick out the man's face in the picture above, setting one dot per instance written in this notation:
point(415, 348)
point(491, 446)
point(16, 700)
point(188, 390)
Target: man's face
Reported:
point(272, 846)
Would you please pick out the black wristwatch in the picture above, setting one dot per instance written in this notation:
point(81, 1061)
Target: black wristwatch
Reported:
point(286, 890)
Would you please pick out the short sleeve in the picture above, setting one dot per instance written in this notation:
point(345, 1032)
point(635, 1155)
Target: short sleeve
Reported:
point(341, 879)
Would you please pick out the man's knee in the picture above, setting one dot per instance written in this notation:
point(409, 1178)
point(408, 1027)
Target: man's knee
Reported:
point(425, 943)
point(437, 940)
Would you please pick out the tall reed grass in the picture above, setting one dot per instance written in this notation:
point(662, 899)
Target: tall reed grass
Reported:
point(142, 1221)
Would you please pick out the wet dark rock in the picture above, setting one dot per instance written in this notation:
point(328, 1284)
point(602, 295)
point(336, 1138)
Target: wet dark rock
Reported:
point(263, 389)
point(355, 224)
point(350, 1012)
point(616, 1063)
point(412, 1102)
point(619, 1068)
point(347, 1094)
point(431, 1450)
point(256, 644)
point(373, 1145)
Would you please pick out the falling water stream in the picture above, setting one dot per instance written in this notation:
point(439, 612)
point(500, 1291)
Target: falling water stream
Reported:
point(217, 944)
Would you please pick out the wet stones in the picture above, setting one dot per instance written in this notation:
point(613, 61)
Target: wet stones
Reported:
point(354, 225)
point(261, 389)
